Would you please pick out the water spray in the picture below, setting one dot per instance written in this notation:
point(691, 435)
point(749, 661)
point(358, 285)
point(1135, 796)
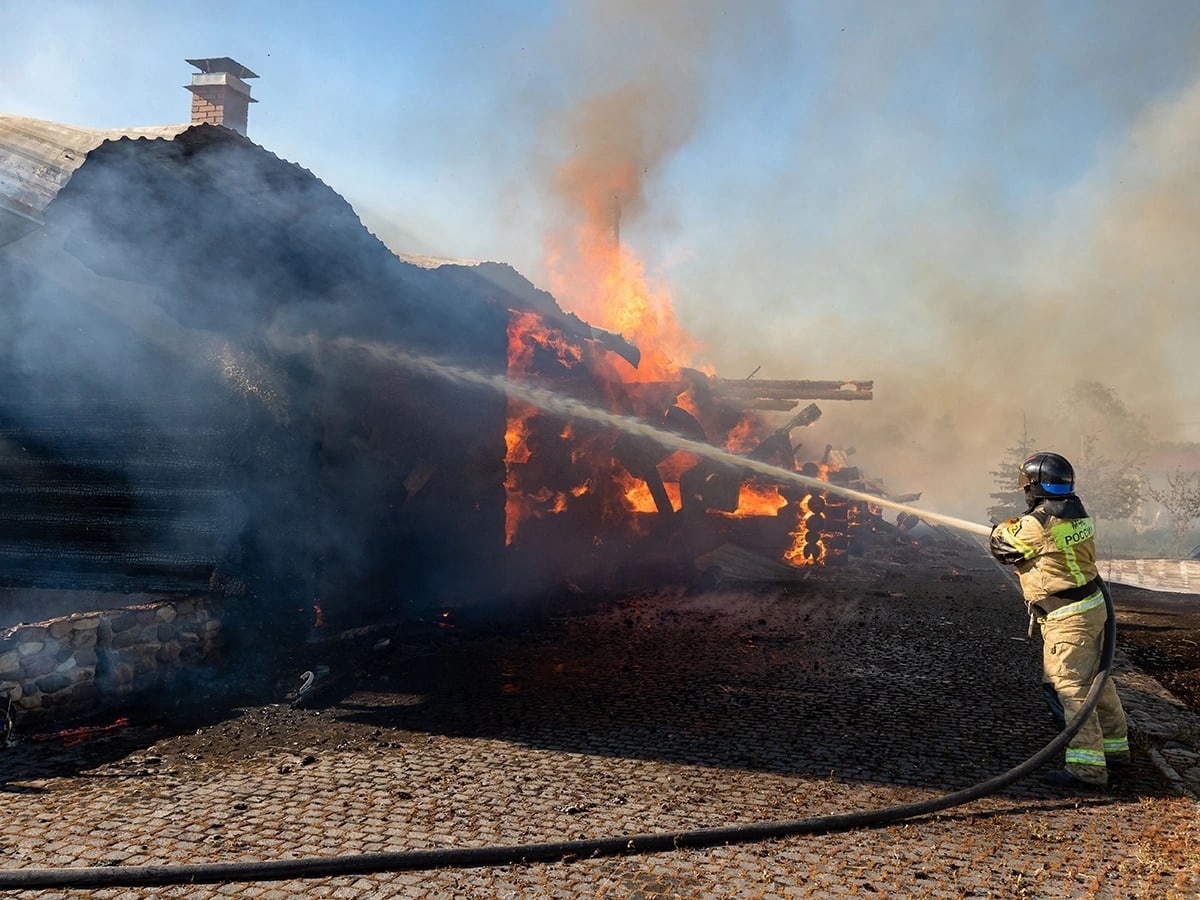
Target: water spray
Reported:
point(558, 404)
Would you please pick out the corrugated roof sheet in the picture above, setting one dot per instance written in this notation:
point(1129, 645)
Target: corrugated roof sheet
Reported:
point(435, 262)
point(37, 158)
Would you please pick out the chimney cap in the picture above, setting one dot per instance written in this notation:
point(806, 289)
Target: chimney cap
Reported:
point(203, 85)
point(212, 64)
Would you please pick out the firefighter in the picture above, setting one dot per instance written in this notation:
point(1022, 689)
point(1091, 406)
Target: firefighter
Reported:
point(1053, 547)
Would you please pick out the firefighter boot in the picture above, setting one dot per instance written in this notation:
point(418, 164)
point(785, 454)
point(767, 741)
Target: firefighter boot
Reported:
point(1062, 778)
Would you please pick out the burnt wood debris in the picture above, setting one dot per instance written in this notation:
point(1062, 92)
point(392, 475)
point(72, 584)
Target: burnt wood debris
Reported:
point(187, 409)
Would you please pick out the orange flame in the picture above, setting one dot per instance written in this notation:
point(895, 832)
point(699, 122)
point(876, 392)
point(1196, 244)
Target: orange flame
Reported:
point(806, 549)
point(759, 500)
point(607, 286)
point(593, 276)
point(72, 737)
point(743, 437)
point(518, 454)
point(638, 498)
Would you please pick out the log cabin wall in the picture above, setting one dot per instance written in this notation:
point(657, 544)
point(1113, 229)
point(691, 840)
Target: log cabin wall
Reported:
point(182, 406)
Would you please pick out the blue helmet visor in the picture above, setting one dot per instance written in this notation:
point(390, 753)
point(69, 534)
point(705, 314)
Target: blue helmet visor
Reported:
point(1057, 489)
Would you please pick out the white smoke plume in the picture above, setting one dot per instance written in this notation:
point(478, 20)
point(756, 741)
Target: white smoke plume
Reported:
point(974, 312)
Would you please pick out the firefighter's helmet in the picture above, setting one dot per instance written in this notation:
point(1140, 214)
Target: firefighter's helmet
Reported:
point(1046, 475)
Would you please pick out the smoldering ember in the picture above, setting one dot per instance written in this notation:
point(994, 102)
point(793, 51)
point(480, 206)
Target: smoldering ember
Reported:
point(206, 457)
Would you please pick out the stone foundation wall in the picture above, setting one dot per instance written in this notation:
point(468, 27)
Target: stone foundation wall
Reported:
point(72, 665)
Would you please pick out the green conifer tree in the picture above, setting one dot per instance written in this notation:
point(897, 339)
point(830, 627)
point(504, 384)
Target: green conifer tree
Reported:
point(1009, 499)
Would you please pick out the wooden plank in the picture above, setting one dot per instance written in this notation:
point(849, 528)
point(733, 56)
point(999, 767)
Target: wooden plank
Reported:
point(750, 401)
point(768, 387)
point(764, 392)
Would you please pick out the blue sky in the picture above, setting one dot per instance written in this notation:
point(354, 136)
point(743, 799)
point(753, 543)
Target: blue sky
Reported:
point(922, 193)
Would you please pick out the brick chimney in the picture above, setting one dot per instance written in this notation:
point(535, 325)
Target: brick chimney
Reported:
point(219, 95)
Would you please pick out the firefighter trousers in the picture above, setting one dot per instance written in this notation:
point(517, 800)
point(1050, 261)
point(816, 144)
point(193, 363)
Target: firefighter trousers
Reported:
point(1071, 650)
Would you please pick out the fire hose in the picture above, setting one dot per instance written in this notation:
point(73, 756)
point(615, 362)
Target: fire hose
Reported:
point(561, 851)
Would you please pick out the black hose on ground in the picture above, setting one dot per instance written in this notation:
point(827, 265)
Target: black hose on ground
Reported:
point(558, 851)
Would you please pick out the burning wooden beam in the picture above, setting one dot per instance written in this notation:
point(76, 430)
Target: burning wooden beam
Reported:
point(641, 456)
point(778, 444)
point(769, 394)
point(710, 485)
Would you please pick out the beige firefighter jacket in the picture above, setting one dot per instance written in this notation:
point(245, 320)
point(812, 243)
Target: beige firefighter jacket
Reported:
point(1053, 547)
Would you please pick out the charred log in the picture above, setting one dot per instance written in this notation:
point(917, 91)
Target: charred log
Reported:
point(790, 388)
point(681, 422)
point(773, 394)
point(773, 405)
point(710, 485)
point(777, 446)
point(617, 344)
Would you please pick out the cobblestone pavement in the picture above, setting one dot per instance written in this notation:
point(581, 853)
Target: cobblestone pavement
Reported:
point(852, 690)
